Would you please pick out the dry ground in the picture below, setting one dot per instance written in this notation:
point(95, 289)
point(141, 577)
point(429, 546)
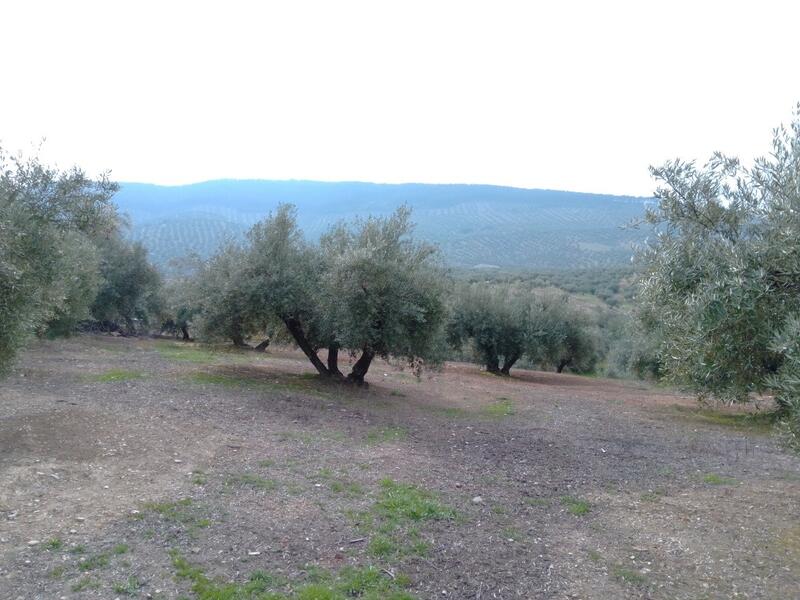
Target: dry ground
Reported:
point(131, 462)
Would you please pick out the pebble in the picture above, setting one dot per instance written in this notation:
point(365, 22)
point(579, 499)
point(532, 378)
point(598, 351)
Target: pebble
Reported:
point(33, 542)
point(254, 553)
point(477, 500)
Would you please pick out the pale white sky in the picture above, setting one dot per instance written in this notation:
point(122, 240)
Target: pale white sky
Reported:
point(563, 95)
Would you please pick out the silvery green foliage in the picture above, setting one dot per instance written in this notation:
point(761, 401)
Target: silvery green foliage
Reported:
point(495, 319)
point(130, 293)
point(505, 322)
point(222, 298)
point(785, 383)
point(384, 292)
point(722, 277)
point(50, 223)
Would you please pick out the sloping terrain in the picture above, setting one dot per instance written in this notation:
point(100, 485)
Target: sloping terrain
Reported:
point(475, 225)
point(151, 469)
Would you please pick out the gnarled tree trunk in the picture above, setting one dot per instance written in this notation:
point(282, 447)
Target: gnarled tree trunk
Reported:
point(493, 364)
point(361, 367)
point(239, 342)
point(296, 329)
point(561, 364)
point(262, 347)
point(185, 332)
point(508, 362)
point(333, 361)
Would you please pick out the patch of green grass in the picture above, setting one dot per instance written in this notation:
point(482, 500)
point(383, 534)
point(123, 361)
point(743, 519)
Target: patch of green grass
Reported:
point(652, 496)
point(714, 479)
point(120, 549)
point(349, 488)
point(57, 572)
point(79, 549)
point(116, 375)
point(367, 583)
point(757, 422)
point(54, 544)
point(537, 501)
point(382, 546)
point(185, 352)
point(628, 576)
point(399, 502)
point(397, 394)
point(382, 435)
point(595, 556)
point(130, 587)
point(181, 511)
point(251, 480)
point(97, 561)
point(576, 506)
point(501, 408)
point(266, 463)
point(199, 478)
point(85, 584)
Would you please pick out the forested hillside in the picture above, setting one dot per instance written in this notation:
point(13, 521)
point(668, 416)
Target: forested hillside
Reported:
point(475, 225)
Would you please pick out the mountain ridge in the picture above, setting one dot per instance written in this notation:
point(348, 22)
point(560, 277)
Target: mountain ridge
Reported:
point(474, 224)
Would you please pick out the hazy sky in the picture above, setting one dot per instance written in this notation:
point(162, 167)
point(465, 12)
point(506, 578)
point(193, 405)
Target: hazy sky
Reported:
point(564, 95)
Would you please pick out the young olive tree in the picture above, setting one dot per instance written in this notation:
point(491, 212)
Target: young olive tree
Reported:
point(560, 335)
point(495, 319)
point(720, 283)
point(384, 292)
point(285, 274)
point(130, 293)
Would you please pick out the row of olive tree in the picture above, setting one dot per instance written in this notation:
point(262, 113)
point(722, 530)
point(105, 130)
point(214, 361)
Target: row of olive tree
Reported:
point(508, 322)
point(720, 284)
point(62, 259)
point(367, 288)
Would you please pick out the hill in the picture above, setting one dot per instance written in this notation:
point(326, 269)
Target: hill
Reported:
point(475, 225)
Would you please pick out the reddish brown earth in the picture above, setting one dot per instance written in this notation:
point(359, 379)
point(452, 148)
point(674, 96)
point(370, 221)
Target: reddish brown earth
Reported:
point(275, 462)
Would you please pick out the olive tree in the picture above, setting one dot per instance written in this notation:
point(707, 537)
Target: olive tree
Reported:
point(495, 319)
point(129, 296)
point(720, 282)
point(385, 291)
point(50, 223)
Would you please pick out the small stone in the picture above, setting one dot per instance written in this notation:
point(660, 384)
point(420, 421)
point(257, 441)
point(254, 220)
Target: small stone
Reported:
point(73, 531)
point(33, 542)
point(80, 519)
point(178, 460)
point(254, 553)
point(477, 500)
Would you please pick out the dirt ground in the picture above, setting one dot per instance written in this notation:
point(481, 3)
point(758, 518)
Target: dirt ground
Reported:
point(119, 455)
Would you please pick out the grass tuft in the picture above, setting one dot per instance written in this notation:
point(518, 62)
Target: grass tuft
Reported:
point(501, 408)
point(576, 506)
point(116, 375)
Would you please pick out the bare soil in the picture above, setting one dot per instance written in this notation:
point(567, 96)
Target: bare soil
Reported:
point(115, 452)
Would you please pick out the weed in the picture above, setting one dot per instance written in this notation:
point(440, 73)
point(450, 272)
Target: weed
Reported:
point(382, 546)
point(93, 562)
point(184, 352)
point(266, 463)
point(54, 544)
point(760, 422)
point(199, 478)
point(386, 434)
point(576, 506)
point(120, 549)
point(57, 572)
point(85, 584)
point(595, 556)
point(714, 479)
point(79, 549)
point(130, 587)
